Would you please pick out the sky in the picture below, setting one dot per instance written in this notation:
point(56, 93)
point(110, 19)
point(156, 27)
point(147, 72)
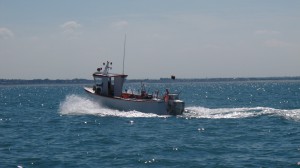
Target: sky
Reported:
point(67, 39)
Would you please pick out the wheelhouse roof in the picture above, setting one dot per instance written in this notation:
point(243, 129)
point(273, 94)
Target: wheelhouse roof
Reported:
point(97, 74)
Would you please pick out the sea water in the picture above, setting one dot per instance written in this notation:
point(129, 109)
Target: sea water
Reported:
point(226, 124)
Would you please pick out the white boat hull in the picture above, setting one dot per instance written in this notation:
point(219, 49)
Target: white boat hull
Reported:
point(156, 106)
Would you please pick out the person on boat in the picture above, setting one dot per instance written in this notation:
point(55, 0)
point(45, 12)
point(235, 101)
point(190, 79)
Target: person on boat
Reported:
point(143, 94)
point(166, 96)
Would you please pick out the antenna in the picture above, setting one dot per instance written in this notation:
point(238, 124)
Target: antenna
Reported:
point(124, 53)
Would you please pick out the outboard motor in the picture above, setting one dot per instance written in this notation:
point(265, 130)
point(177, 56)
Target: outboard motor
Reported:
point(175, 106)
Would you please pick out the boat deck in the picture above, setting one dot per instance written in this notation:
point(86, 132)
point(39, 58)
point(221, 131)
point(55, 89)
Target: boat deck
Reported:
point(128, 96)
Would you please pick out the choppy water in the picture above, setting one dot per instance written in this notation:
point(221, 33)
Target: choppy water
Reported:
point(226, 124)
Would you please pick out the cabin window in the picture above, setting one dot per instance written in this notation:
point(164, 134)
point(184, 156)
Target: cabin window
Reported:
point(112, 80)
point(98, 81)
point(111, 89)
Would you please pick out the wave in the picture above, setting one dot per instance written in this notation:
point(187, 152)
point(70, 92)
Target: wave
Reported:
point(219, 113)
point(79, 105)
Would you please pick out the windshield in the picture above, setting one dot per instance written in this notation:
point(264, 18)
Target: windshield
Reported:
point(98, 81)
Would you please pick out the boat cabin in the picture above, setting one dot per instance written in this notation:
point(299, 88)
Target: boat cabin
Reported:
point(107, 84)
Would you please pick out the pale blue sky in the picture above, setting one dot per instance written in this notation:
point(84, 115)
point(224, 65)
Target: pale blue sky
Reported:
point(66, 39)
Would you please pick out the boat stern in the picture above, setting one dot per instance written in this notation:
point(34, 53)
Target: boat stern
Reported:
point(176, 107)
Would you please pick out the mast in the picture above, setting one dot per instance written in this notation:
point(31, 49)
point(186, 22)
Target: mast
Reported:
point(124, 53)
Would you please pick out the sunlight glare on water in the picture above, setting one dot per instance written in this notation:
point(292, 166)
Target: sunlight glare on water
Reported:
point(228, 124)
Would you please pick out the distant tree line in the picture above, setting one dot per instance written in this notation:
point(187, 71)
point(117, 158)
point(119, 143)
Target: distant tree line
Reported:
point(43, 81)
point(161, 80)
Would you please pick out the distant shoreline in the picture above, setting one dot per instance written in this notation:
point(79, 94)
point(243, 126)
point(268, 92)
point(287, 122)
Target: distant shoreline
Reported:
point(161, 80)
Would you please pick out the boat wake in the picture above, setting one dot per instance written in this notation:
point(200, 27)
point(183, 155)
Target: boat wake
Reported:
point(80, 105)
point(219, 113)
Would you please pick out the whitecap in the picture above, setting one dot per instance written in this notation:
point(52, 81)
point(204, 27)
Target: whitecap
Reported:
point(219, 113)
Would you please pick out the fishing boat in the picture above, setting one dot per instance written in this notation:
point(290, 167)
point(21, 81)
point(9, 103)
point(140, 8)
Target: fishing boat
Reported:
point(108, 91)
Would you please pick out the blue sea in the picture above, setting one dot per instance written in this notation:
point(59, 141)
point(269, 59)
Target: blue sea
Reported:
point(226, 124)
